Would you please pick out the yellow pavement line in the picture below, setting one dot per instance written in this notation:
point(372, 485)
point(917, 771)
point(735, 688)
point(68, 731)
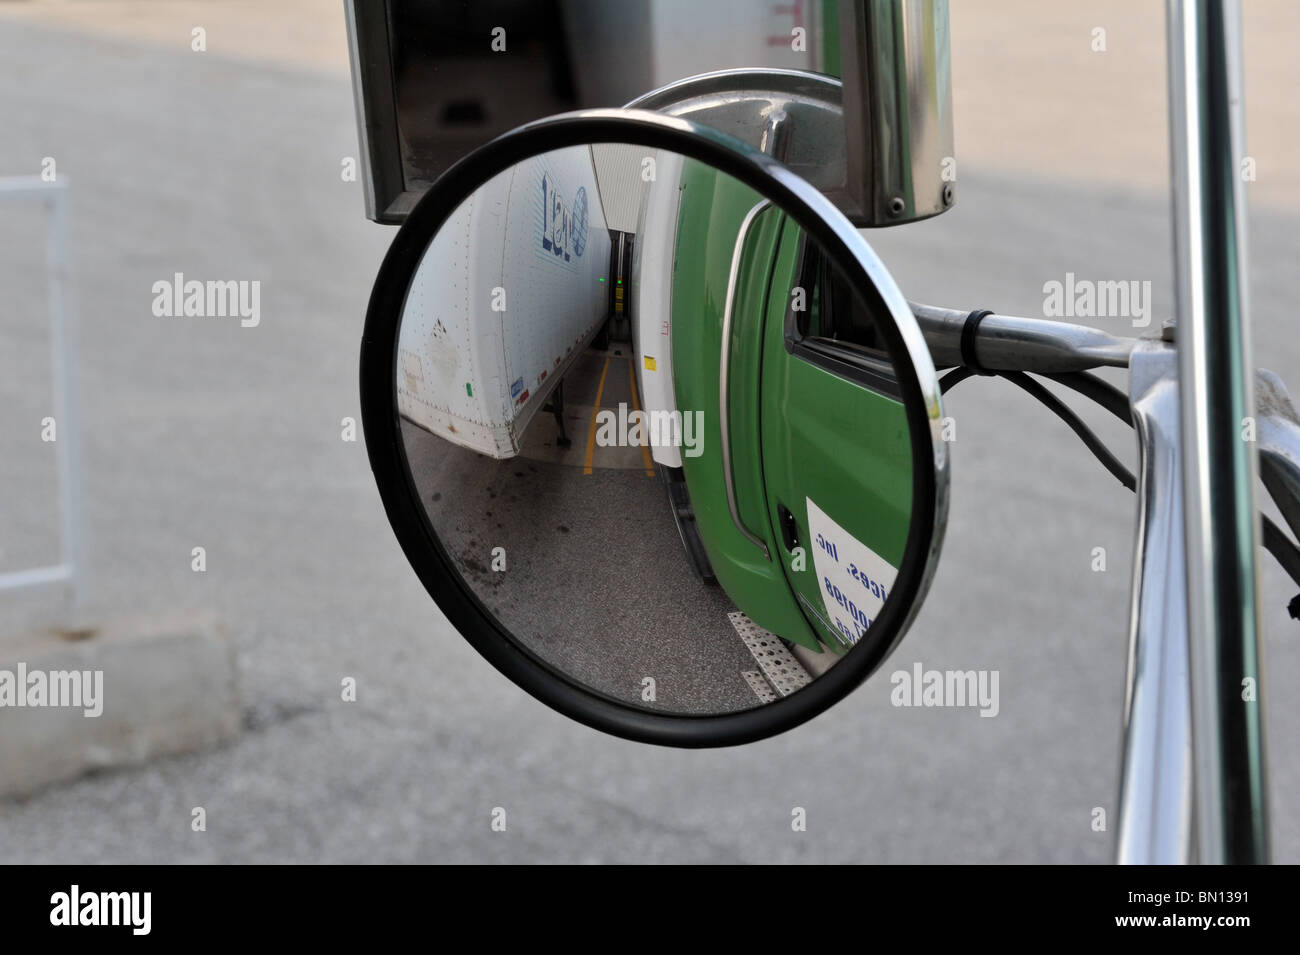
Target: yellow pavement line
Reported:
point(595, 409)
point(645, 451)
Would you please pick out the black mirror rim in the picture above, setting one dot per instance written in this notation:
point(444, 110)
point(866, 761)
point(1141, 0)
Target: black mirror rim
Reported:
point(419, 541)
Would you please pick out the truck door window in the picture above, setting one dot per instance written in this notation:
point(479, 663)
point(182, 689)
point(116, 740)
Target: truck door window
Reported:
point(835, 330)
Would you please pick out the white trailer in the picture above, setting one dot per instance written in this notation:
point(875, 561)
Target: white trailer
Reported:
point(512, 289)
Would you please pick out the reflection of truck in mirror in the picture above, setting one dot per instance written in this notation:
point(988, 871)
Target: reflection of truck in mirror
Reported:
point(819, 460)
point(510, 292)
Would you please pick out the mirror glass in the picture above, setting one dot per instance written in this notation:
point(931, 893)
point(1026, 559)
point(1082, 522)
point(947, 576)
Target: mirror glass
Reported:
point(659, 436)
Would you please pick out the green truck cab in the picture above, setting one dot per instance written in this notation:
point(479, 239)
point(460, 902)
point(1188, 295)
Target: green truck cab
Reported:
point(820, 458)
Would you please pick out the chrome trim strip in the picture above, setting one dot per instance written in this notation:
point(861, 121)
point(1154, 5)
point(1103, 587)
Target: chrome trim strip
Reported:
point(724, 377)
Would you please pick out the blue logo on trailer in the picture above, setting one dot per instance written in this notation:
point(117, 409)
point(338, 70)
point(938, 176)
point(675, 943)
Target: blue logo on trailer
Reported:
point(564, 228)
point(580, 221)
point(516, 386)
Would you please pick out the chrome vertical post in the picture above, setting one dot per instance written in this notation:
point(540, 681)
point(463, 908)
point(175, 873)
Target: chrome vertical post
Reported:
point(1215, 385)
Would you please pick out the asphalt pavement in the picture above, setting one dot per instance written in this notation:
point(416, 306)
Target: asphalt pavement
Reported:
point(584, 565)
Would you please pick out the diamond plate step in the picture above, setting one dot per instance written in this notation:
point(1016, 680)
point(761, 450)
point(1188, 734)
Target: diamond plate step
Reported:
point(762, 689)
point(783, 671)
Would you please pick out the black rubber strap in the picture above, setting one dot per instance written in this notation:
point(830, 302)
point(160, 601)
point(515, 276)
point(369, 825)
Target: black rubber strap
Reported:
point(968, 332)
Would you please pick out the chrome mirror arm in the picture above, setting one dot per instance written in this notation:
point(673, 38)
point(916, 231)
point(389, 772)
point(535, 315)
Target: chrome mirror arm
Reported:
point(1154, 825)
point(1008, 343)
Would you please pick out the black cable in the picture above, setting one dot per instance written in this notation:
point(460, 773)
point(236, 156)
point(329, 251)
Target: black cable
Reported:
point(1099, 390)
point(953, 378)
point(1281, 547)
point(1275, 541)
point(1086, 384)
point(1062, 411)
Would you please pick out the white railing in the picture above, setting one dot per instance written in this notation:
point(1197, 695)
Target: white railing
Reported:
point(71, 569)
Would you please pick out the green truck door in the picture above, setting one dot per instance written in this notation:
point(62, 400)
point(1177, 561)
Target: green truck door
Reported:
point(711, 212)
point(836, 453)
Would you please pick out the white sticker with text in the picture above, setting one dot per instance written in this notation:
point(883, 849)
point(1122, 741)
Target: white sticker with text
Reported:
point(854, 580)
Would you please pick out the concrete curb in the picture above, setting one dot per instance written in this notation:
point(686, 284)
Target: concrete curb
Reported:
point(167, 684)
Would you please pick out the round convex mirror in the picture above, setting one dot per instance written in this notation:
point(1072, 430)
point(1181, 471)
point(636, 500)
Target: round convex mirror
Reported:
point(655, 427)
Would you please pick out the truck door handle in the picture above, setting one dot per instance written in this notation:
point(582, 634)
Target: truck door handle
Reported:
point(789, 527)
point(724, 377)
